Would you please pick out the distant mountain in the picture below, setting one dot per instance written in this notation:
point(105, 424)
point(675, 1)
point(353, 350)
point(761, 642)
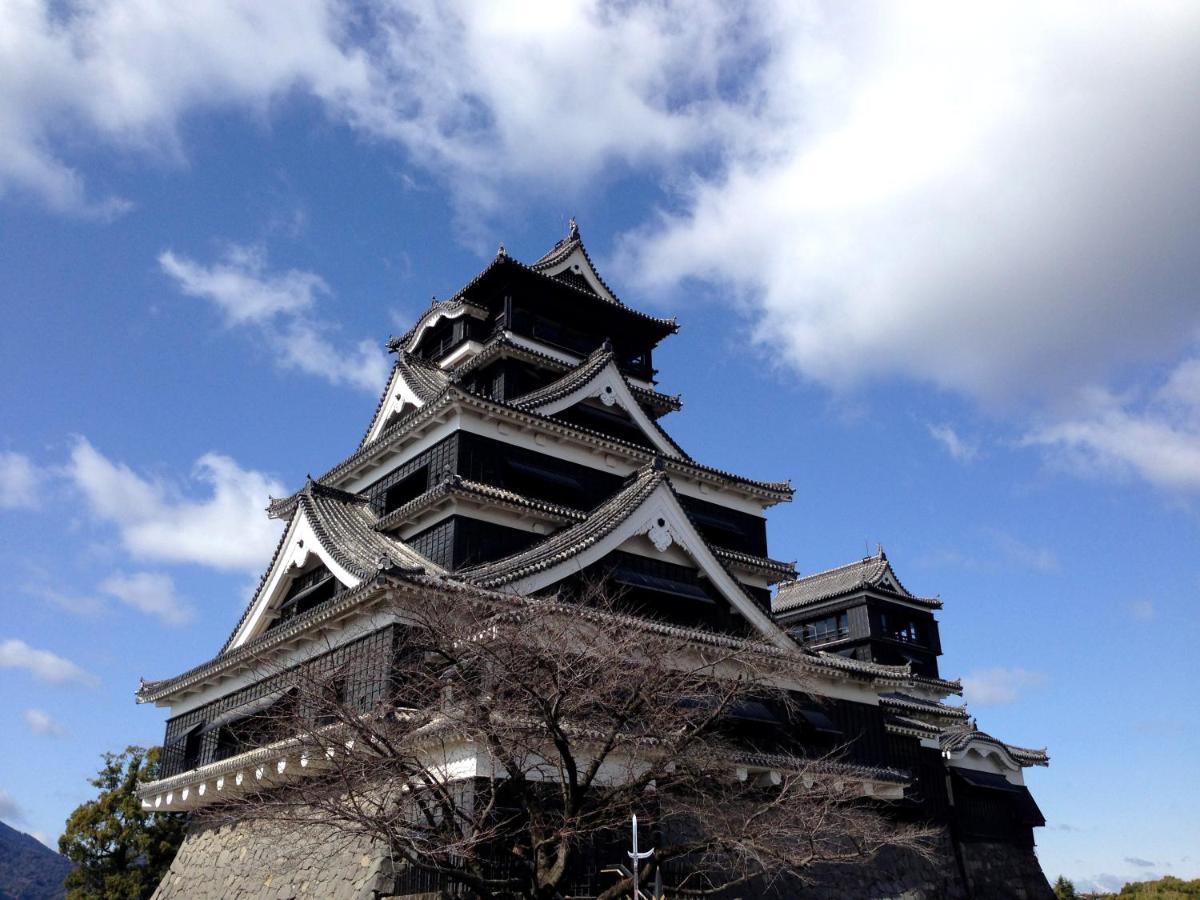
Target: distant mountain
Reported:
point(29, 870)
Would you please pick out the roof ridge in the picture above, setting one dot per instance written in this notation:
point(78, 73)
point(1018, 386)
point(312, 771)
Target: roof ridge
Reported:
point(600, 522)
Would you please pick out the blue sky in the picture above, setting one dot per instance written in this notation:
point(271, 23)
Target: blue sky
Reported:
point(938, 267)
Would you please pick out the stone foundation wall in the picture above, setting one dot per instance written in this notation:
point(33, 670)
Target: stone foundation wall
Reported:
point(994, 871)
point(243, 861)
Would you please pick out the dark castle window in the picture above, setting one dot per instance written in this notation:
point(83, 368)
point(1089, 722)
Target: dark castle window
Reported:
point(827, 628)
point(307, 591)
point(407, 488)
point(900, 629)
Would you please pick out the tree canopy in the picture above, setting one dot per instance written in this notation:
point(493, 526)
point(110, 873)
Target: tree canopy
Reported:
point(120, 851)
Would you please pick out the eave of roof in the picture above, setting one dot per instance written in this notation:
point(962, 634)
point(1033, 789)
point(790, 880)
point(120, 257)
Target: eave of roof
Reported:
point(960, 737)
point(865, 573)
point(570, 541)
point(501, 344)
point(775, 491)
point(453, 485)
point(663, 326)
point(377, 587)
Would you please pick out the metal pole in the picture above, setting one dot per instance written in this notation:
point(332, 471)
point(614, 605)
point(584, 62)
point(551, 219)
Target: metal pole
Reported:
point(637, 858)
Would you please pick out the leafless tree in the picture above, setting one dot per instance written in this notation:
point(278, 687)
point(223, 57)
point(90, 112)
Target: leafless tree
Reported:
point(517, 737)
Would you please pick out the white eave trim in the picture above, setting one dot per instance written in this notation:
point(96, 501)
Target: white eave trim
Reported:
point(433, 316)
point(399, 395)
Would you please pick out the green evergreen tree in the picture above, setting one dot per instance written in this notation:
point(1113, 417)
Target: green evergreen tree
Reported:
point(120, 851)
point(1064, 890)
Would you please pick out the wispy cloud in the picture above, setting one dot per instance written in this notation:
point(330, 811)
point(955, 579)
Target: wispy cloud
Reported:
point(41, 722)
point(999, 686)
point(1139, 862)
point(20, 480)
point(958, 448)
point(993, 551)
point(279, 307)
point(1142, 610)
point(226, 528)
point(1154, 435)
point(86, 605)
point(1025, 555)
point(42, 664)
point(152, 593)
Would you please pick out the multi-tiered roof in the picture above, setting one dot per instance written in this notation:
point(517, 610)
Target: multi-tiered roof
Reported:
point(519, 448)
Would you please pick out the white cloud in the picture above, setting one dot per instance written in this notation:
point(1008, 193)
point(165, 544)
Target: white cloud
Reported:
point(241, 287)
point(41, 722)
point(1152, 434)
point(152, 593)
point(156, 520)
point(19, 482)
point(41, 664)
point(278, 306)
point(578, 86)
point(996, 201)
point(958, 448)
point(998, 686)
point(10, 810)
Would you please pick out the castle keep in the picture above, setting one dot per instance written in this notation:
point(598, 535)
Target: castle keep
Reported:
point(519, 447)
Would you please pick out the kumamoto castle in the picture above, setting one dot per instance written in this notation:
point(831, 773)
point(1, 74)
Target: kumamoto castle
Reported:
point(519, 446)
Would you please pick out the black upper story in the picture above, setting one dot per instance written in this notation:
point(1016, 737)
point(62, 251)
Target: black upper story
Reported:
point(872, 626)
point(542, 476)
point(551, 312)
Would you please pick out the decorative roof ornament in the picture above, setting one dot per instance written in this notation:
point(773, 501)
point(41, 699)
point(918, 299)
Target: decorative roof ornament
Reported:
point(500, 251)
point(572, 230)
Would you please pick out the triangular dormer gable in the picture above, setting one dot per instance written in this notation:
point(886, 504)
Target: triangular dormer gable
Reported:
point(298, 552)
point(338, 529)
point(413, 383)
point(568, 261)
point(647, 510)
point(597, 378)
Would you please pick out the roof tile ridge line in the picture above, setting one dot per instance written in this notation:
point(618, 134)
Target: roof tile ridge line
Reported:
point(764, 561)
point(321, 530)
point(382, 401)
point(687, 463)
point(395, 342)
point(834, 570)
point(616, 508)
point(451, 482)
point(720, 562)
point(672, 322)
point(594, 363)
point(229, 656)
point(591, 367)
point(501, 340)
point(458, 392)
point(563, 249)
point(492, 346)
point(262, 581)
